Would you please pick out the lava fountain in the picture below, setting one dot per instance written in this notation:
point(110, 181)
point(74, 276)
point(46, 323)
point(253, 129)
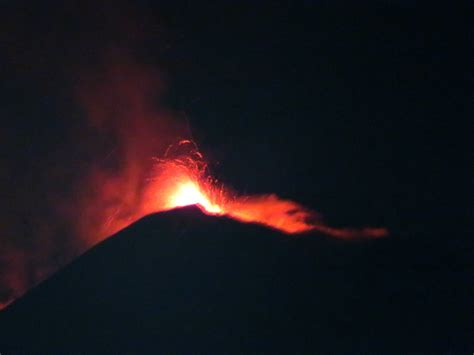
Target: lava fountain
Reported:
point(115, 183)
point(184, 180)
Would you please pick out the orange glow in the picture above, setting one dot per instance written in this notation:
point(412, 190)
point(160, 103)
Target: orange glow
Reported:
point(189, 194)
point(183, 181)
point(115, 183)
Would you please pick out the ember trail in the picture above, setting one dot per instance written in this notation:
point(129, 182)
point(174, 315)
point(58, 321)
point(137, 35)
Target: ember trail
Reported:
point(183, 180)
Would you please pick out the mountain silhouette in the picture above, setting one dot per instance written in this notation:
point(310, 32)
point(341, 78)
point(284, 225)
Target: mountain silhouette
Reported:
point(184, 281)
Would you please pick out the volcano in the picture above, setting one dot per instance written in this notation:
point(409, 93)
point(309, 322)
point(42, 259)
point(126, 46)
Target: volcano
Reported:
point(183, 280)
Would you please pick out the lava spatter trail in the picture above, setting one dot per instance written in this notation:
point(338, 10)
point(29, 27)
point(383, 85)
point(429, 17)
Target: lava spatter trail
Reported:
point(184, 180)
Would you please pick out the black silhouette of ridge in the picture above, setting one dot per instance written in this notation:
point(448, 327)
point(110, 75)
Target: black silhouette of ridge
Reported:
point(184, 281)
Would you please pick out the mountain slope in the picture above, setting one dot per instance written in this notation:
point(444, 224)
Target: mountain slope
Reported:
point(182, 280)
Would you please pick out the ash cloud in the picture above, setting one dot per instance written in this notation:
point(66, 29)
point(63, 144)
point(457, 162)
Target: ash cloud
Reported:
point(122, 105)
point(85, 119)
point(100, 188)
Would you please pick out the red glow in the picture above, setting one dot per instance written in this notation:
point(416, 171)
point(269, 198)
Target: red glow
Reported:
point(114, 183)
point(188, 193)
point(183, 181)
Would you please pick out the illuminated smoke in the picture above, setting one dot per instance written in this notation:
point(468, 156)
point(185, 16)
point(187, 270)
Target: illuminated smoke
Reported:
point(142, 162)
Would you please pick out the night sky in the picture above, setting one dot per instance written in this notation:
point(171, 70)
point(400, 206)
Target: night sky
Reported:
point(361, 112)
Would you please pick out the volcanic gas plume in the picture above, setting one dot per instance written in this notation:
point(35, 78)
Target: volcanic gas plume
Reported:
point(140, 160)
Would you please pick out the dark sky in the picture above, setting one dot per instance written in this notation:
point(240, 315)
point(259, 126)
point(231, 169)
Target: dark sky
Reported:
point(357, 111)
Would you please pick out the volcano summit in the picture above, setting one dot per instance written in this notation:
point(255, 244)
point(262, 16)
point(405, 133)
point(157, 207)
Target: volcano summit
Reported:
point(186, 281)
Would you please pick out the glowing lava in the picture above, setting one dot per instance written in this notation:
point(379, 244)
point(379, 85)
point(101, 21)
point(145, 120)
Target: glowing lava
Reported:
point(189, 194)
point(183, 180)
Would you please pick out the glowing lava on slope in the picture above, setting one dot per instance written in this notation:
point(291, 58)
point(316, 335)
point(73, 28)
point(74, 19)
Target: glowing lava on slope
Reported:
point(188, 193)
point(183, 181)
